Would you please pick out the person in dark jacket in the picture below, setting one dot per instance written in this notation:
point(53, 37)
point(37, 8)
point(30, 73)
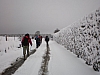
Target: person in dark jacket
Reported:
point(25, 44)
point(47, 40)
point(37, 41)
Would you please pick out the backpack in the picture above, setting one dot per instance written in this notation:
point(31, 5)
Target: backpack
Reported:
point(25, 42)
point(47, 39)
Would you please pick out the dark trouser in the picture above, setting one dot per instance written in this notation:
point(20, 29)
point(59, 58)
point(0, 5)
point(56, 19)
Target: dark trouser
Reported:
point(37, 44)
point(25, 48)
point(47, 43)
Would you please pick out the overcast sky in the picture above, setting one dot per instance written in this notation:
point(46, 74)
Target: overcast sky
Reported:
point(29, 16)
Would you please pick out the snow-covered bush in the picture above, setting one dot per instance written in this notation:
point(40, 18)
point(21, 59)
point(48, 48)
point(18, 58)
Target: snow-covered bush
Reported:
point(82, 37)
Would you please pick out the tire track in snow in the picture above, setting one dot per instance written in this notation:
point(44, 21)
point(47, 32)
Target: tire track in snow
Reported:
point(45, 60)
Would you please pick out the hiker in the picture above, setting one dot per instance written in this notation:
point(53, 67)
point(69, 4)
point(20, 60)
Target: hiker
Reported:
point(40, 37)
point(47, 40)
point(37, 41)
point(25, 44)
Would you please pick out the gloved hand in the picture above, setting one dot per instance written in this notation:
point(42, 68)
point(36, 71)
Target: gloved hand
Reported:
point(22, 45)
point(31, 44)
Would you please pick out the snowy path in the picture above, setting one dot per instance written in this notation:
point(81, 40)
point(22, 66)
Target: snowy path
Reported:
point(33, 63)
point(62, 62)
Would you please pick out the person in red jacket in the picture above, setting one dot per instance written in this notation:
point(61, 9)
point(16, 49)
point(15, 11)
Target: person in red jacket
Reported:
point(25, 44)
point(40, 37)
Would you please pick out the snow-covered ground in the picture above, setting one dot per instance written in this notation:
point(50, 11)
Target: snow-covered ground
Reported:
point(12, 51)
point(62, 61)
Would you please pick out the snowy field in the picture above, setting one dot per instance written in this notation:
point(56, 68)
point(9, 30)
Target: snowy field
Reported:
point(62, 61)
point(9, 51)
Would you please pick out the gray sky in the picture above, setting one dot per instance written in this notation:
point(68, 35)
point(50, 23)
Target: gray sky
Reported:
point(29, 16)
